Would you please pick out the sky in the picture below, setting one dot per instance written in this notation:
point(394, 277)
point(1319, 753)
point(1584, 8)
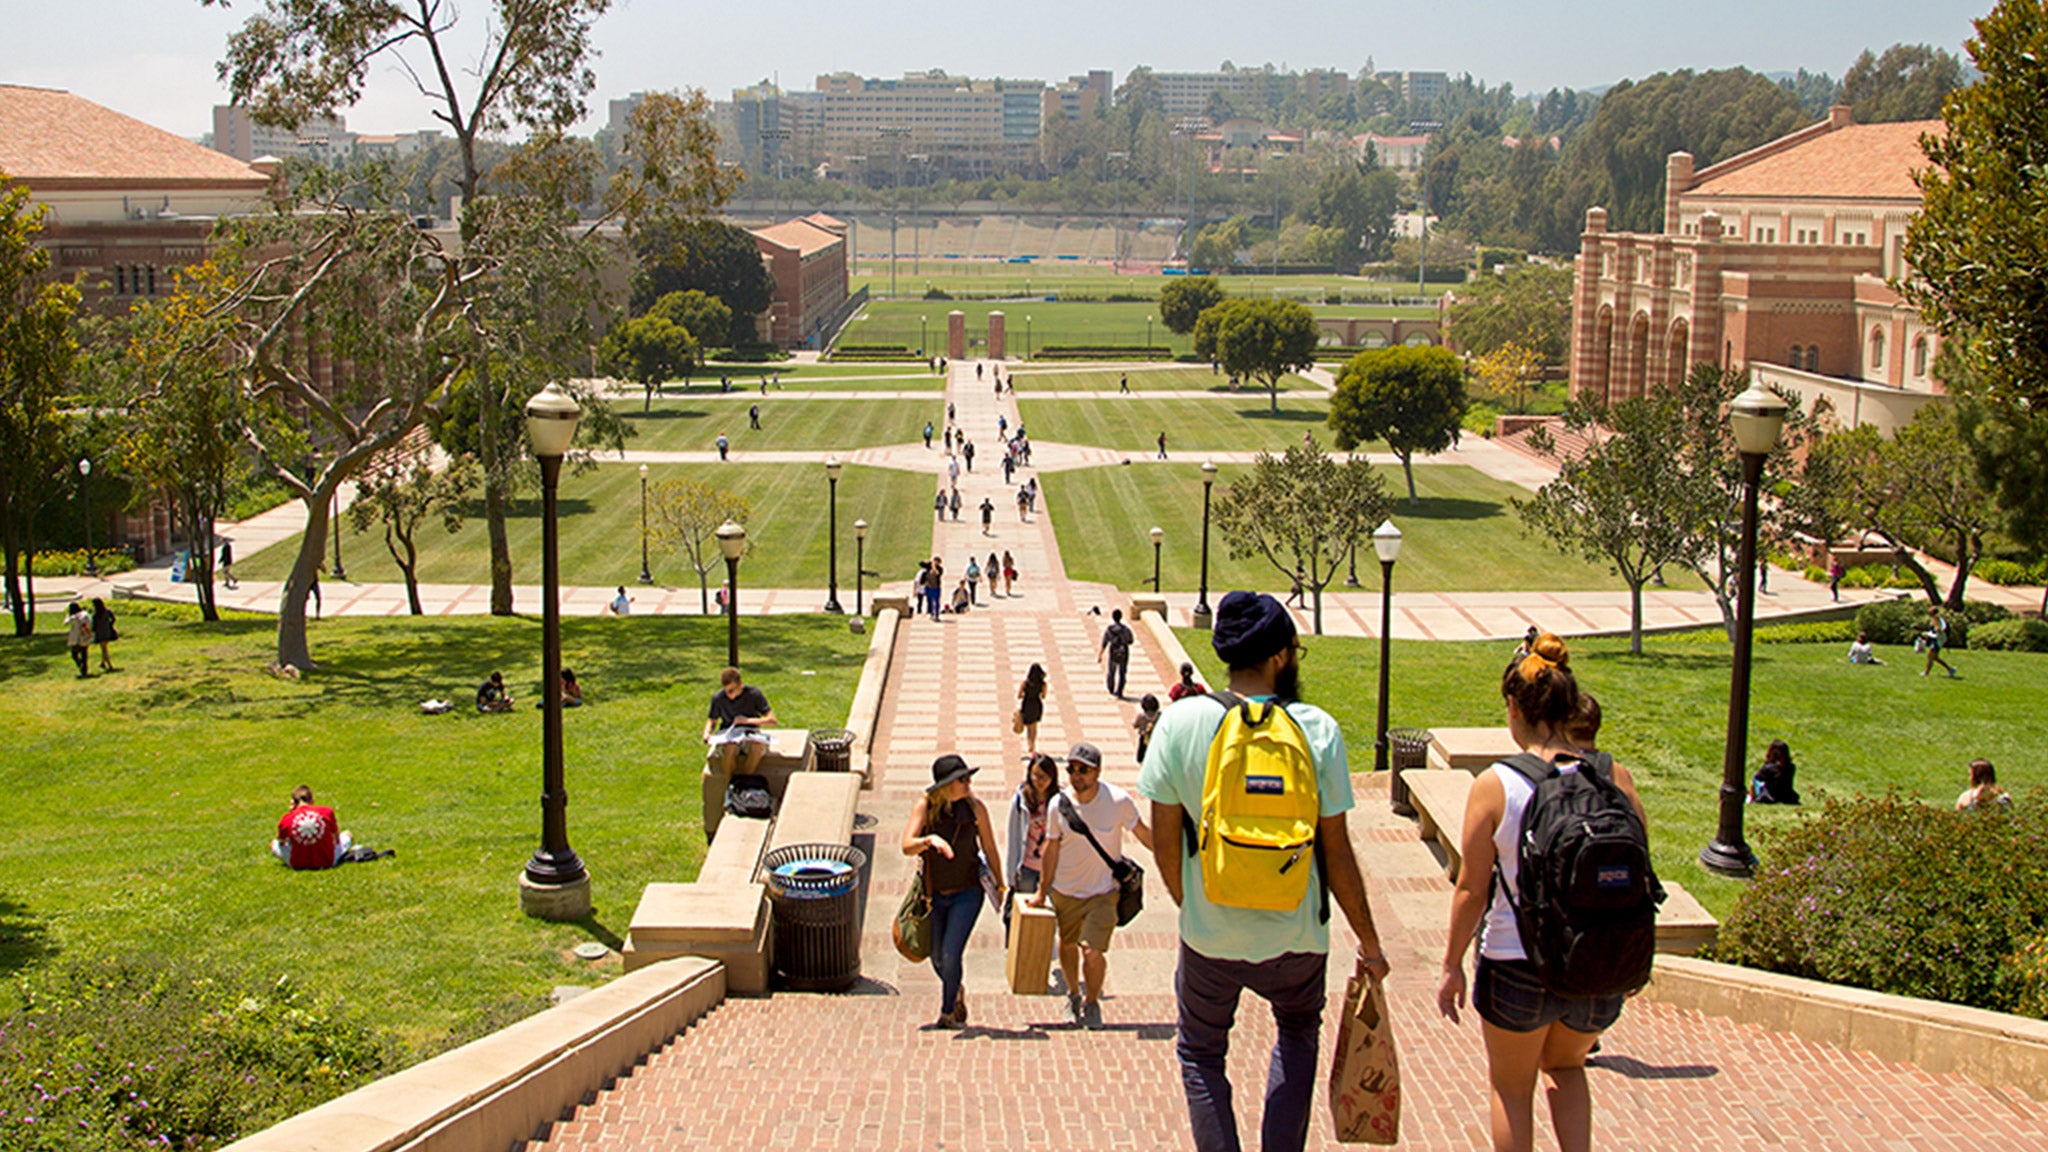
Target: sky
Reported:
point(154, 59)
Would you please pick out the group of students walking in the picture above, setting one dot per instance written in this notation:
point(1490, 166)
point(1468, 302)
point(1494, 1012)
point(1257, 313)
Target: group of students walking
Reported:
point(1242, 799)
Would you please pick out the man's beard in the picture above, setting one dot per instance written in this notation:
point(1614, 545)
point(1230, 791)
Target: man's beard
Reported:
point(1287, 681)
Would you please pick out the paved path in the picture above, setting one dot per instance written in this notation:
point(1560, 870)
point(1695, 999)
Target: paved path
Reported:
point(866, 1070)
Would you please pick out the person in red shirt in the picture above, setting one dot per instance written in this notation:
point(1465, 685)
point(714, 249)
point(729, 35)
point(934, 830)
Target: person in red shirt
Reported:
point(308, 836)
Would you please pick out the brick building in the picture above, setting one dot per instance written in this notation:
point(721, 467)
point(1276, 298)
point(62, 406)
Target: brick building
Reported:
point(1779, 261)
point(807, 258)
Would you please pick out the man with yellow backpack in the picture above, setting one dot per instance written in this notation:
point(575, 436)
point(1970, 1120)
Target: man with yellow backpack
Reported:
point(1249, 788)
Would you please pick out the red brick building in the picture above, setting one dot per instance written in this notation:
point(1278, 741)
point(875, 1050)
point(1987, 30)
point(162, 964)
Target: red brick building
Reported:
point(1778, 261)
point(807, 258)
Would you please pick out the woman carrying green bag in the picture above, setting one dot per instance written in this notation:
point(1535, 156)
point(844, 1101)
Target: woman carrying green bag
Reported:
point(950, 831)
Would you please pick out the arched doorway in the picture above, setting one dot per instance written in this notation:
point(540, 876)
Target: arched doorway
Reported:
point(1599, 382)
point(1678, 354)
point(1638, 377)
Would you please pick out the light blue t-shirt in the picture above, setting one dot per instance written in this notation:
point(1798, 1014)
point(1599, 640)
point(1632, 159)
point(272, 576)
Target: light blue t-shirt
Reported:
point(1175, 764)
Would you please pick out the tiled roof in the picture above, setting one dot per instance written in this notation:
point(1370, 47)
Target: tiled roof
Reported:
point(1856, 162)
point(49, 136)
point(805, 237)
point(828, 223)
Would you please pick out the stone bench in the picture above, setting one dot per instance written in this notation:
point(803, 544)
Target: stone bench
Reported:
point(1684, 926)
point(817, 808)
point(789, 752)
point(1470, 749)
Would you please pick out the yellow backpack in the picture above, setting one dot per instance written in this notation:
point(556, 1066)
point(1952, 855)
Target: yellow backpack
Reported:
point(1256, 837)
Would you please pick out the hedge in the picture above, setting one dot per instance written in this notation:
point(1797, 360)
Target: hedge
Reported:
point(1902, 621)
point(1102, 352)
point(73, 563)
point(2011, 636)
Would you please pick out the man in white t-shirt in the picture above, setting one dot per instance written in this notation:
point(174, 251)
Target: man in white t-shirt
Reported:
point(1081, 884)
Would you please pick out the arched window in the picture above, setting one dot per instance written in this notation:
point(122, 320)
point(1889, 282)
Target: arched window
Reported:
point(1813, 357)
point(1876, 348)
point(1920, 358)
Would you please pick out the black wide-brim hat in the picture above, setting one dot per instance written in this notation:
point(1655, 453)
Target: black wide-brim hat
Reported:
point(947, 769)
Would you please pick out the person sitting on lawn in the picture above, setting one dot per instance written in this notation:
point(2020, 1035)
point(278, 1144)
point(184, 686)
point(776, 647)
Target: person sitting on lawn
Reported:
point(1861, 652)
point(1773, 783)
point(308, 836)
point(738, 713)
point(491, 695)
point(1983, 791)
point(572, 692)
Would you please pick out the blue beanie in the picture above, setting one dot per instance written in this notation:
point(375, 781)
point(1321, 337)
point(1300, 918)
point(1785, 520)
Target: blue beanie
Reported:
point(1250, 628)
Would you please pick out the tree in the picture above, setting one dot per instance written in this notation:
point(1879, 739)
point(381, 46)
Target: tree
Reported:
point(1412, 398)
point(1217, 245)
point(1183, 300)
point(401, 491)
point(1621, 499)
point(1259, 340)
point(1358, 201)
point(1303, 511)
point(1918, 489)
point(649, 350)
point(713, 257)
point(1908, 82)
point(37, 349)
point(1530, 306)
point(703, 316)
point(685, 515)
point(1506, 373)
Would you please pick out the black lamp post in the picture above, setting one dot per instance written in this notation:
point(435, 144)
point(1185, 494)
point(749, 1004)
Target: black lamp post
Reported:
point(924, 336)
point(860, 565)
point(1203, 617)
point(646, 576)
point(1757, 415)
point(1386, 540)
point(732, 541)
point(92, 567)
point(832, 467)
point(334, 519)
point(1158, 537)
point(555, 885)
point(1027, 324)
point(1148, 338)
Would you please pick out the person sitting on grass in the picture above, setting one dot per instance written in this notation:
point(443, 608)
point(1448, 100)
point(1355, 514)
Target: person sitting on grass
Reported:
point(1861, 652)
point(738, 713)
point(1983, 791)
point(308, 836)
point(1773, 783)
point(491, 695)
point(572, 692)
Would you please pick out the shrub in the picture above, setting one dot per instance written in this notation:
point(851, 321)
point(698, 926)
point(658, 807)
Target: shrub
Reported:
point(1897, 896)
point(754, 352)
point(1876, 576)
point(1892, 621)
point(2011, 636)
point(2002, 572)
point(937, 294)
point(73, 563)
point(116, 1055)
point(1102, 352)
point(1809, 632)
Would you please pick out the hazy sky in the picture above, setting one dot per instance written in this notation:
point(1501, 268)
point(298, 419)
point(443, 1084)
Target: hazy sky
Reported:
point(154, 59)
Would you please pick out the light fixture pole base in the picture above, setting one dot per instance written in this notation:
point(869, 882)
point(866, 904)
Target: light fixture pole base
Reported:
point(1727, 859)
point(568, 901)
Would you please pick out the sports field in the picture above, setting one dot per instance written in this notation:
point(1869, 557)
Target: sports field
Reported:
point(1052, 378)
point(1033, 325)
point(1043, 278)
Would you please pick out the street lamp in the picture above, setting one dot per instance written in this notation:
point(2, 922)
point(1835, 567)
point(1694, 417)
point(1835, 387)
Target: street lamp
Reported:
point(1027, 327)
point(1148, 338)
point(1757, 417)
point(1386, 540)
point(1158, 538)
point(860, 567)
point(1203, 617)
point(555, 885)
point(646, 577)
point(924, 337)
point(832, 467)
point(732, 540)
point(334, 518)
point(92, 567)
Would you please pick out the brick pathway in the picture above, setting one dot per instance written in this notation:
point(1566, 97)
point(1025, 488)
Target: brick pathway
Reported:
point(866, 1070)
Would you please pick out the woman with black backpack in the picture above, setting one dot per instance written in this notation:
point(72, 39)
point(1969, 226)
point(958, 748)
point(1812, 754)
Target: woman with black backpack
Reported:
point(1541, 1015)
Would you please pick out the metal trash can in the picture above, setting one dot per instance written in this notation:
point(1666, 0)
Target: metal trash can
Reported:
point(834, 749)
point(1406, 748)
point(814, 898)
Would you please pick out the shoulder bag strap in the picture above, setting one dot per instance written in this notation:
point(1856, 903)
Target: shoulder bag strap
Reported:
point(1075, 822)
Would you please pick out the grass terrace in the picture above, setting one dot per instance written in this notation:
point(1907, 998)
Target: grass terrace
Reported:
point(1143, 379)
point(820, 425)
point(1240, 423)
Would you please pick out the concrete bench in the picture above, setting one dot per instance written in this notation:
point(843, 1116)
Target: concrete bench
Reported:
point(789, 752)
point(1471, 749)
point(735, 853)
point(725, 920)
point(817, 808)
point(1684, 926)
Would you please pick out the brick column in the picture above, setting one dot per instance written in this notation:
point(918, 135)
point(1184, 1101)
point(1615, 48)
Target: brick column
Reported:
point(1677, 179)
point(1586, 379)
point(956, 335)
point(995, 335)
point(1707, 326)
point(1657, 368)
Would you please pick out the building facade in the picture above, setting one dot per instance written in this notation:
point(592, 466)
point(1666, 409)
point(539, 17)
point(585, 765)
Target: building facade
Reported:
point(1778, 261)
point(807, 259)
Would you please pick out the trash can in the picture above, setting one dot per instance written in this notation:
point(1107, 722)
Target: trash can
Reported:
point(1407, 748)
point(814, 898)
point(835, 749)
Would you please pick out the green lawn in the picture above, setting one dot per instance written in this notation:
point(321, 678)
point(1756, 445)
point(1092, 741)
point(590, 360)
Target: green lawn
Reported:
point(601, 530)
point(143, 801)
point(1852, 730)
point(1177, 379)
point(1028, 325)
point(1240, 423)
point(1462, 538)
point(809, 377)
point(985, 278)
point(787, 425)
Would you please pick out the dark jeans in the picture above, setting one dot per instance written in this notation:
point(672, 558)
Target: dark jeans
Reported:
point(78, 657)
point(1119, 671)
point(1208, 991)
point(953, 916)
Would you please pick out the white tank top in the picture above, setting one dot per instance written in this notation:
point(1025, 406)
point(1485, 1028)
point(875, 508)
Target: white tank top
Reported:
point(1499, 937)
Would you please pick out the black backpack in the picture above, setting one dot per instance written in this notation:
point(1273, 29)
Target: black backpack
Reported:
point(1587, 904)
point(747, 795)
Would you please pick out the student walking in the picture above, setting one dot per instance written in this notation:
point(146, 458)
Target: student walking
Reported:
point(927, 435)
point(1530, 1030)
point(1279, 954)
point(994, 571)
point(953, 503)
point(1116, 644)
point(988, 514)
point(950, 834)
point(103, 632)
point(1162, 445)
point(1933, 639)
point(1083, 848)
point(1030, 807)
point(967, 450)
point(724, 446)
point(973, 581)
point(754, 412)
point(1009, 574)
point(227, 565)
point(78, 637)
point(1031, 705)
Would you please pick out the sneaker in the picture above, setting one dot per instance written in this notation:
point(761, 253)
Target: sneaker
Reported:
point(1075, 1015)
point(960, 1006)
point(1057, 986)
point(1091, 1016)
point(949, 1022)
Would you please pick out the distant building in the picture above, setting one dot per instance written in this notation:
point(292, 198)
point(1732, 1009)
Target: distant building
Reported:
point(397, 146)
point(1400, 153)
point(236, 134)
point(1777, 261)
point(1419, 87)
point(1243, 145)
point(807, 259)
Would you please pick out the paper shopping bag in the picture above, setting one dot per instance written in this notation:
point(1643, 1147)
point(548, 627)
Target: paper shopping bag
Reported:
point(1365, 1077)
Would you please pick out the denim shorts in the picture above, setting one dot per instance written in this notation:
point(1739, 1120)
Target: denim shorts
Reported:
point(1507, 995)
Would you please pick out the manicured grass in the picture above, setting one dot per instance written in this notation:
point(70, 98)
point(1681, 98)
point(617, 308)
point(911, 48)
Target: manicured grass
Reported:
point(1852, 730)
point(807, 377)
point(1461, 538)
point(142, 802)
point(1044, 278)
point(1049, 378)
point(786, 425)
point(600, 530)
point(1227, 423)
point(1067, 323)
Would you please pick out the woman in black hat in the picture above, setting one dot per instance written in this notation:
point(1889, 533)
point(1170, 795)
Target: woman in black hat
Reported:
point(950, 831)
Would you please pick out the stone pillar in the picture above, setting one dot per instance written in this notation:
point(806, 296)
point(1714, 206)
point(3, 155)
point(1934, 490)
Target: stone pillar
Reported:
point(1677, 179)
point(1586, 308)
point(1708, 322)
point(995, 335)
point(956, 335)
point(1660, 369)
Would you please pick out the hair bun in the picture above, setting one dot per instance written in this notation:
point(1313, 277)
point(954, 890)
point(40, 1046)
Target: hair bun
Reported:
point(1552, 648)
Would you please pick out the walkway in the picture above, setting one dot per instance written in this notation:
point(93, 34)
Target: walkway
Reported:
point(865, 1070)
